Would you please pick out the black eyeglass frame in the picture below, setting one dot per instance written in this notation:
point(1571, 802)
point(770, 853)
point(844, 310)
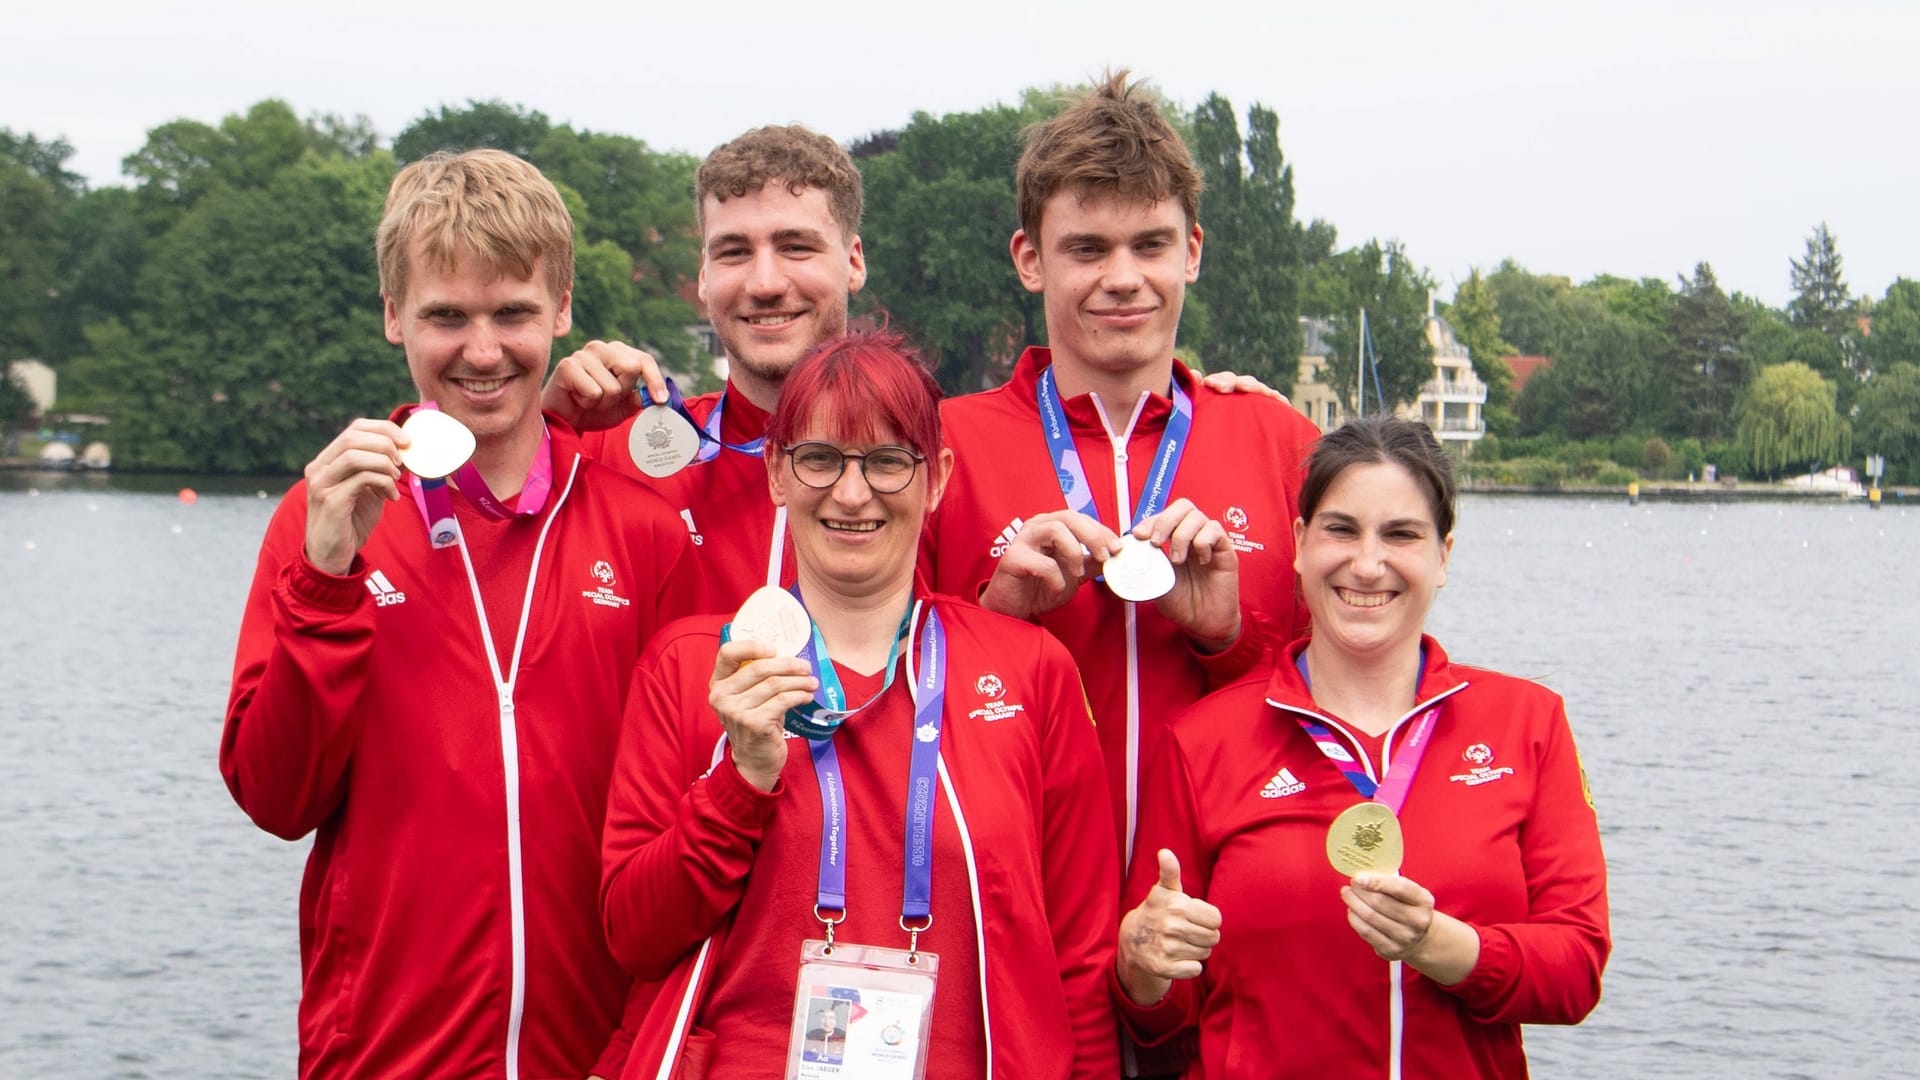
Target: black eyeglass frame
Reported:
point(793, 465)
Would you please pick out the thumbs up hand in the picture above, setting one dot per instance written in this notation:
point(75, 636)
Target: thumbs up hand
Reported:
point(1166, 938)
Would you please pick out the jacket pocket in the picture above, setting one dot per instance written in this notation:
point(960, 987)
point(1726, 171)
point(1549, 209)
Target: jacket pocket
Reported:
point(696, 1053)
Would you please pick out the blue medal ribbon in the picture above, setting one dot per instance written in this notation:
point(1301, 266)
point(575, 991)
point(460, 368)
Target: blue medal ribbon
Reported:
point(916, 887)
point(1072, 475)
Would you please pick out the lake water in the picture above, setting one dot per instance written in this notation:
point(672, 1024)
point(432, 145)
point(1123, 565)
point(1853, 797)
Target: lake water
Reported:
point(1730, 671)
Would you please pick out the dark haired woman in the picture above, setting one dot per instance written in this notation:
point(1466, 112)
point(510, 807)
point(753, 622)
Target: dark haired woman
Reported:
point(1372, 861)
point(789, 833)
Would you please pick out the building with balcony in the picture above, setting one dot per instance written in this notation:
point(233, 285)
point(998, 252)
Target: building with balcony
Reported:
point(1452, 401)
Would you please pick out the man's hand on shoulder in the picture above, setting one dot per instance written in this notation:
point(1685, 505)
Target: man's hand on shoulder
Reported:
point(593, 389)
point(1226, 382)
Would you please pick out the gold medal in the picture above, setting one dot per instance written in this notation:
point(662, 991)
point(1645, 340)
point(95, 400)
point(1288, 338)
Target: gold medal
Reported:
point(1366, 836)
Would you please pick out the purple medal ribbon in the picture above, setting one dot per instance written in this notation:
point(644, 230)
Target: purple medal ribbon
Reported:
point(710, 441)
point(922, 775)
point(1392, 791)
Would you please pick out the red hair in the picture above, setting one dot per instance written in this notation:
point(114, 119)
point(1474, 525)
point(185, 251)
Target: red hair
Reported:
point(865, 387)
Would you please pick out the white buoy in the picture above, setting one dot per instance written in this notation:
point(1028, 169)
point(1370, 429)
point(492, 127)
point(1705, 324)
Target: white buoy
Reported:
point(31, 545)
point(33, 493)
point(177, 530)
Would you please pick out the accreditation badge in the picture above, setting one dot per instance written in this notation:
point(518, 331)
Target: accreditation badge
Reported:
point(662, 442)
point(861, 1011)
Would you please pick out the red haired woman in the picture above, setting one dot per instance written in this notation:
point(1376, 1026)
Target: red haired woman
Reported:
point(907, 817)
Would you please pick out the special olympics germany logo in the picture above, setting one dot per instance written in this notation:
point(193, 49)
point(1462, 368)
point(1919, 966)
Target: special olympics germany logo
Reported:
point(990, 686)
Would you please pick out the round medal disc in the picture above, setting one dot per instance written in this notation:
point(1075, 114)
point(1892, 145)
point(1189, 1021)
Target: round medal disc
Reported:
point(1140, 572)
point(437, 444)
point(1366, 836)
point(773, 617)
point(662, 442)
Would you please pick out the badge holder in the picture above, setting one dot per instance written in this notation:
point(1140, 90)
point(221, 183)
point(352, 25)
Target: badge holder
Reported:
point(862, 1010)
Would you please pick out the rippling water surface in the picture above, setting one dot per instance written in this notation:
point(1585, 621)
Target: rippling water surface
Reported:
point(1734, 674)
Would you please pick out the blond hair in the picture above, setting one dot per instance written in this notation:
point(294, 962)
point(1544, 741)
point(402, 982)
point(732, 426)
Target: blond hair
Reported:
point(1112, 141)
point(485, 203)
point(791, 154)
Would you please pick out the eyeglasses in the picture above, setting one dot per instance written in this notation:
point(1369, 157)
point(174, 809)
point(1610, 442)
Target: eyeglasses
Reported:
point(886, 469)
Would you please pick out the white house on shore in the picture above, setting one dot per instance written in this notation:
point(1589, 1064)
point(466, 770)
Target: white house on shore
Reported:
point(1450, 403)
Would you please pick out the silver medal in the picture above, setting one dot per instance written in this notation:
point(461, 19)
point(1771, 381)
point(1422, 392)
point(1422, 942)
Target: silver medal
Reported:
point(774, 618)
point(1140, 572)
point(662, 442)
point(437, 444)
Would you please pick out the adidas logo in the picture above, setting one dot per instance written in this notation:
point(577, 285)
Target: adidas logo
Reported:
point(1005, 540)
point(692, 529)
point(384, 594)
point(1282, 785)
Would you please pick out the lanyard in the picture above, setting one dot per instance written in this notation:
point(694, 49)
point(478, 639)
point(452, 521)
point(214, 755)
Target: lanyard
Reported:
point(1072, 475)
point(1392, 791)
point(916, 888)
point(709, 432)
point(819, 718)
point(436, 502)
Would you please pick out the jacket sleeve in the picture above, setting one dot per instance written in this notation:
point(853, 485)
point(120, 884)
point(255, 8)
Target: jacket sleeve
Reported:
point(1546, 970)
point(292, 715)
point(1168, 819)
point(678, 845)
point(1256, 637)
point(1079, 864)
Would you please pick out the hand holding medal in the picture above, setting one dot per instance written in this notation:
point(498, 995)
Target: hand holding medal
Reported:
point(757, 677)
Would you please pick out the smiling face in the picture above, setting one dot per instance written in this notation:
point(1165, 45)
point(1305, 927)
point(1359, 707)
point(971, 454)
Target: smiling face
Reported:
point(775, 275)
point(849, 538)
point(1370, 560)
point(478, 342)
point(1114, 273)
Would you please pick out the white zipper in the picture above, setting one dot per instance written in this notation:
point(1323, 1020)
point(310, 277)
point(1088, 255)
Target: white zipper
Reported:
point(1123, 512)
point(503, 685)
point(778, 550)
point(1396, 971)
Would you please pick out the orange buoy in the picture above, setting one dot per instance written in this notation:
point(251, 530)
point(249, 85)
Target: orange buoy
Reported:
point(189, 496)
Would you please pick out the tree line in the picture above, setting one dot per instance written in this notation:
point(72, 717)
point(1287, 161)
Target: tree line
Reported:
point(222, 307)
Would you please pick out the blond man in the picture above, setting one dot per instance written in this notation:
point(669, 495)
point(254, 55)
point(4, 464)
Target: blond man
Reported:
point(430, 676)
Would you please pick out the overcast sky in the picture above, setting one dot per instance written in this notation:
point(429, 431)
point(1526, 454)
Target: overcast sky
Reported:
point(1621, 137)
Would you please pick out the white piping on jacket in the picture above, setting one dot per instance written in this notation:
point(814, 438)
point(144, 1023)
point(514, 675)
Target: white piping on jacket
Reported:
point(510, 760)
point(1123, 512)
point(777, 550)
point(979, 916)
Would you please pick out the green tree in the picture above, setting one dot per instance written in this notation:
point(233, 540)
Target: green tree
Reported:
point(1527, 303)
point(493, 123)
point(940, 209)
point(1893, 336)
point(1475, 318)
point(1888, 423)
point(1821, 300)
point(15, 403)
point(1383, 282)
point(104, 246)
point(1703, 365)
point(257, 333)
point(1250, 281)
point(1603, 375)
point(47, 160)
point(1787, 420)
point(30, 248)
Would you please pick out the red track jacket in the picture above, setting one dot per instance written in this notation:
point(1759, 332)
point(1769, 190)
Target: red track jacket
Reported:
point(448, 923)
point(1242, 466)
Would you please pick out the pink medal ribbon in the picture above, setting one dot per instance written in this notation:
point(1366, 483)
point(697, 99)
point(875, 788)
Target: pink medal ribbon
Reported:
point(436, 502)
point(1391, 791)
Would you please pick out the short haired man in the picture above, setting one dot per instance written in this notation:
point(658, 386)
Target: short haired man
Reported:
point(779, 213)
point(442, 709)
point(1109, 235)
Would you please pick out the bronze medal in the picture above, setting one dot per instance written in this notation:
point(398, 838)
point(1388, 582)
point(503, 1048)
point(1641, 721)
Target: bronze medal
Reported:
point(1366, 836)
